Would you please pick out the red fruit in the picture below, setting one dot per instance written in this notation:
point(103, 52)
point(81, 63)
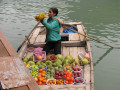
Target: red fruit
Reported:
point(78, 69)
point(79, 75)
point(75, 69)
point(78, 72)
point(81, 80)
point(57, 73)
point(59, 77)
point(61, 73)
point(76, 80)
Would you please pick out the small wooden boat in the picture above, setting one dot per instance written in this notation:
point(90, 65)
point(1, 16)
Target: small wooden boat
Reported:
point(72, 45)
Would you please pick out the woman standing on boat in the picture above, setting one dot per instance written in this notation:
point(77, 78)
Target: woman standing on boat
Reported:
point(53, 38)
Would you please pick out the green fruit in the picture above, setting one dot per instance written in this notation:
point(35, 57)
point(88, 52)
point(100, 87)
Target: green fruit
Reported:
point(38, 63)
point(56, 68)
point(59, 56)
point(76, 60)
point(48, 73)
point(30, 58)
point(52, 77)
point(44, 64)
point(25, 59)
point(52, 71)
point(49, 66)
point(70, 58)
point(60, 69)
point(58, 62)
point(40, 66)
point(48, 70)
point(48, 77)
point(54, 64)
point(66, 62)
point(84, 61)
point(31, 63)
point(60, 66)
point(48, 62)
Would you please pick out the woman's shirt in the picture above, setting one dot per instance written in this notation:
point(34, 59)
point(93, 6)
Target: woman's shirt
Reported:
point(53, 29)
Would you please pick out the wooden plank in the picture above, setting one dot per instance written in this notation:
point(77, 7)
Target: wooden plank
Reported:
point(63, 43)
point(21, 88)
point(34, 36)
point(40, 38)
point(66, 87)
point(86, 72)
point(74, 36)
point(23, 50)
point(74, 52)
point(13, 73)
point(80, 30)
point(91, 66)
point(3, 50)
point(65, 51)
point(87, 76)
point(7, 45)
point(33, 86)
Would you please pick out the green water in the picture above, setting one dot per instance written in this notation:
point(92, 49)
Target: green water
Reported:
point(101, 19)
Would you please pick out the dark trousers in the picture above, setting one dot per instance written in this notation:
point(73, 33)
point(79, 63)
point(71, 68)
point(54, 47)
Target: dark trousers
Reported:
point(56, 45)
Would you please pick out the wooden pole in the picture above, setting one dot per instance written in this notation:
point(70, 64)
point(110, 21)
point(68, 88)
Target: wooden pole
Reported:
point(27, 36)
point(92, 38)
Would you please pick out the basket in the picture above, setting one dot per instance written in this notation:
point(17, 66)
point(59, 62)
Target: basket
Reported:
point(77, 74)
point(52, 59)
point(57, 83)
point(83, 80)
point(51, 80)
point(38, 51)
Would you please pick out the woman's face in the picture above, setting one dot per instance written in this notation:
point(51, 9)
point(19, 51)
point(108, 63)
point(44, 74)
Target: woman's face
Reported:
point(50, 13)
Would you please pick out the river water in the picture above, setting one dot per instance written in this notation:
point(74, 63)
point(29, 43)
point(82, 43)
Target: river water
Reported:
point(101, 19)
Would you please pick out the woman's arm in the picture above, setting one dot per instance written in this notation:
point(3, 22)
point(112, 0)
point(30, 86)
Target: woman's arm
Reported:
point(51, 25)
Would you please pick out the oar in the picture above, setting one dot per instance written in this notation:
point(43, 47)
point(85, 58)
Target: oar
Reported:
point(92, 38)
point(27, 37)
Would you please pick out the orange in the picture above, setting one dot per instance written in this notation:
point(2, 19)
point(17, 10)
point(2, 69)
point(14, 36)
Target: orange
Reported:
point(66, 81)
point(72, 79)
point(53, 81)
point(67, 78)
point(39, 83)
point(44, 80)
point(43, 71)
point(40, 70)
point(43, 75)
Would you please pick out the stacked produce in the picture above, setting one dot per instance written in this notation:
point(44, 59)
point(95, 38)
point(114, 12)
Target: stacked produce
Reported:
point(41, 77)
point(34, 70)
point(57, 70)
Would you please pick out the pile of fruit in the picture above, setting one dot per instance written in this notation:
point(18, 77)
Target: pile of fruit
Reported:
point(56, 70)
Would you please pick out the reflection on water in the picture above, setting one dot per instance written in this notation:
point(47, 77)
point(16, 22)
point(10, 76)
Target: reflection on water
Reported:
point(101, 58)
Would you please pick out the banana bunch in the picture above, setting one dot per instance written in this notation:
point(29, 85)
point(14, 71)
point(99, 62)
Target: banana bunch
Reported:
point(40, 17)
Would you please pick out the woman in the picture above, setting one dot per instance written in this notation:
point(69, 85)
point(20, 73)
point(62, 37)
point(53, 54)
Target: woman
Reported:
point(53, 38)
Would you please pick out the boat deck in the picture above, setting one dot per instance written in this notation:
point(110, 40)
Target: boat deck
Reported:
point(13, 73)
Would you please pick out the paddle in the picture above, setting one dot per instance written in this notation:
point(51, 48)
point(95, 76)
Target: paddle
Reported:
point(27, 37)
point(92, 38)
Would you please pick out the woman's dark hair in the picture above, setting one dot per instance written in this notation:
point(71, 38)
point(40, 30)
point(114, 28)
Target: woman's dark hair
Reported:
point(55, 10)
